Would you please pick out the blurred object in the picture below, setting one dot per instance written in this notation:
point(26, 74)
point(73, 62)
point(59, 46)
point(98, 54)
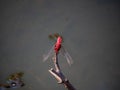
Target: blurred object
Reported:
point(14, 81)
point(17, 83)
point(14, 76)
point(4, 86)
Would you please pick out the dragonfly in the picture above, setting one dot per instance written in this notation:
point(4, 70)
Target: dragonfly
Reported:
point(58, 48)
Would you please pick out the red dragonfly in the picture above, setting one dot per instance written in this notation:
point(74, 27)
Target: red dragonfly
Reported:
point(58, 48)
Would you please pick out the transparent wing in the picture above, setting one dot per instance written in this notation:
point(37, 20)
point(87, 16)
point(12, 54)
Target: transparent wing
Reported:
point(49, 54)
point(66, 55)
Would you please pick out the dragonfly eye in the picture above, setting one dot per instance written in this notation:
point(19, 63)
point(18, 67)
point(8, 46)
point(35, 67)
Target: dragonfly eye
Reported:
point(51, 36)
point(56, 35)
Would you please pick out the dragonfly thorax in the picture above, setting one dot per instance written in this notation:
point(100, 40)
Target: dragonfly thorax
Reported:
point(59, 40)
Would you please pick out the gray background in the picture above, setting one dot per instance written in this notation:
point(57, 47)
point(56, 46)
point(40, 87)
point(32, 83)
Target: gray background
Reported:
point(90, 28)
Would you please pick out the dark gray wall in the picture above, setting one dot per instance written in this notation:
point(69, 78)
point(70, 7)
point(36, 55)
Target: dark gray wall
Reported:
point(91, 30)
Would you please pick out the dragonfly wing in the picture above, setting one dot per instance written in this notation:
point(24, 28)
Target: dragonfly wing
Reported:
point(50, 53)
point(66, 55)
